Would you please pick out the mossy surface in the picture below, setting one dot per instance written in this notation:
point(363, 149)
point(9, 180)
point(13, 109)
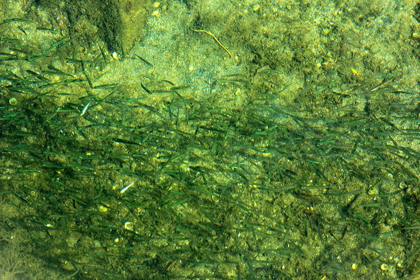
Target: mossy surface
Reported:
point(296, 158)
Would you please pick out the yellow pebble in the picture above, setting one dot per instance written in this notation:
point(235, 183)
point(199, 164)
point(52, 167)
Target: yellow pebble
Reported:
point(128, 226)
point(102, 208)
point(256, 7)
point(13, 101)
point(355, 72)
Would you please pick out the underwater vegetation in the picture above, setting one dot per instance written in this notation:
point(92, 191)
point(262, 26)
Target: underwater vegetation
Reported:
point(99, 179)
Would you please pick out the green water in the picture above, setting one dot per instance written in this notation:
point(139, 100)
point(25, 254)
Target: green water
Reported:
point(249, 140)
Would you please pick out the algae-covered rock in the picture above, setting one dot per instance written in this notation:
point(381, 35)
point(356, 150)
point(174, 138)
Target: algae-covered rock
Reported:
point(133, 16)
point(118, 22)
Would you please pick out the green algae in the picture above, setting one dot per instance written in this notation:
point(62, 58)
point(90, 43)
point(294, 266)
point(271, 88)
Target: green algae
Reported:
point(298, 159)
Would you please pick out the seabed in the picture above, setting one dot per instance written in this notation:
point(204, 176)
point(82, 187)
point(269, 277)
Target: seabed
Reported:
point(209, 139)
